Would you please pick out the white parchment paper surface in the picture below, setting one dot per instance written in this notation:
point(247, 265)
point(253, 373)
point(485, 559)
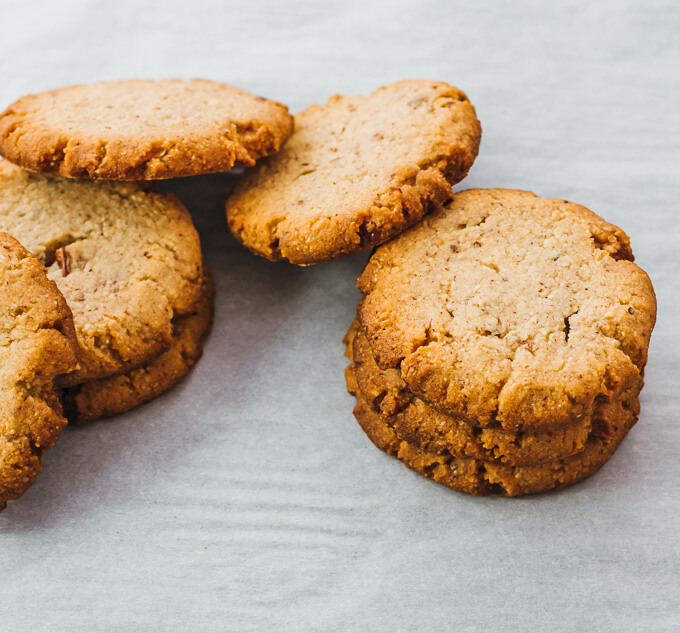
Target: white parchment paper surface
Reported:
point(248, 499)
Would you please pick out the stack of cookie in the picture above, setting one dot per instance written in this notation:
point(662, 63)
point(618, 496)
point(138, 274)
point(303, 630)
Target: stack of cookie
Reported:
point(499, 345)
point(128, 299)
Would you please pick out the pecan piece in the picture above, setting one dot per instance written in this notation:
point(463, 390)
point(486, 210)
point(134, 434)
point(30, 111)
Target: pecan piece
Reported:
point(62, 257)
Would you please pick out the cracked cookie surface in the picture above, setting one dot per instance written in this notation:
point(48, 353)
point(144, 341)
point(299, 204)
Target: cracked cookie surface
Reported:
point(424, 427)
point(110, 396)
point(142, 129)
point(503, 308)
point(128, 262)
point(37, 344)
point(356, 171)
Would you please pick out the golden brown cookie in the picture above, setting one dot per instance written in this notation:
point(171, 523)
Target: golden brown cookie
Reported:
point(110, 396)
point(128, 262)
point(356, 171)
point(479, 477)
point(505, 309)
point(37, 344)
point(424, 427)
point(142, 130)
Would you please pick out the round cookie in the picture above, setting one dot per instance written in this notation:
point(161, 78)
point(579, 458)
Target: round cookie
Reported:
point(503, 308)
point(479, 477)
point(128, 262)
point(37, 344)
point(110, 396)
point(141, 129)
point(424, 427)
point(356, 171)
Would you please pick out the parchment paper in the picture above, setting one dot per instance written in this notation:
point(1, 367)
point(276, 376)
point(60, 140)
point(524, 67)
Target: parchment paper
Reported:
point(248, 499)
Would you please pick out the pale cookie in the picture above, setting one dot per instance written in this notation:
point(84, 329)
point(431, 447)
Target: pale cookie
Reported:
point(37, 344)
point(356, 171)
point(142, 130)
point(478, 477)
point(506, 309)
point(110, 396)
point(424, 427)
point(128, 262)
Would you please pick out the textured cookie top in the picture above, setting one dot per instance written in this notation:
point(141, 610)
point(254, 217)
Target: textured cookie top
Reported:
point(356, 171)
point(37, 343)
point(142, 130)
point(126, 260)
point(506, 308)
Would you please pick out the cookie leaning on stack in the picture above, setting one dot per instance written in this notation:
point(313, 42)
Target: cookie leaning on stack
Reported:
point(501, 343)
point(356, 172)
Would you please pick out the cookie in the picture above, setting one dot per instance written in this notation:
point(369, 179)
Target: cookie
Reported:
point(142, 130)
point(356, 171)
point(424, 427)
point(505, 309)
point(110, 396)
point(478, 477)
point(37, 344)
point(128, 262)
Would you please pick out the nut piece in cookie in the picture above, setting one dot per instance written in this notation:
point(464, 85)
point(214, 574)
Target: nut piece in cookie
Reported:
point(37, 344)
point(356, 172)
point(142, 129)
point(506, 309)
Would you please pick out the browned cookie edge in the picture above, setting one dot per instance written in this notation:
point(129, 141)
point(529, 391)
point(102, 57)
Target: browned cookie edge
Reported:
point(478, 477)
point(43, 148)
